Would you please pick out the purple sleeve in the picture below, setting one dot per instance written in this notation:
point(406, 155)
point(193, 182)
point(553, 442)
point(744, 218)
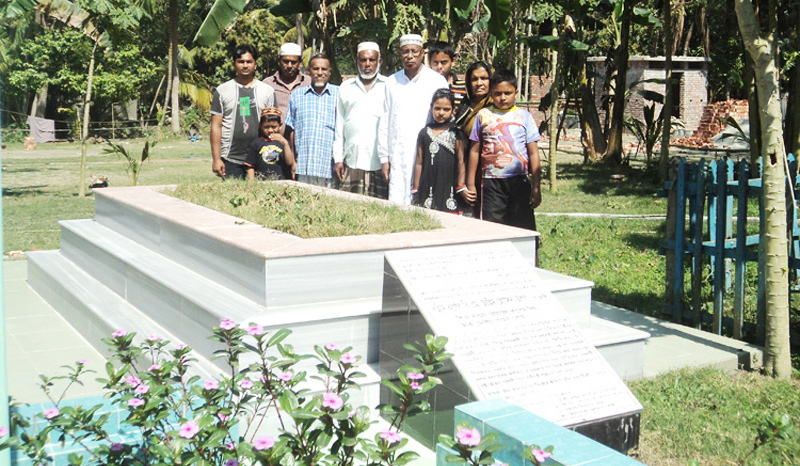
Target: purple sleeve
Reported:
point(475, 135)
point(531, 130)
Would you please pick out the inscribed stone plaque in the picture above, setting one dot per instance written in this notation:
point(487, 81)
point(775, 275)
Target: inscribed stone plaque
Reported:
point(511, 338)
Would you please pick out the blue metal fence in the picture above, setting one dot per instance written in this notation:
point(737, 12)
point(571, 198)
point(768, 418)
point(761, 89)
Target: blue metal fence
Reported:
point(705, 192)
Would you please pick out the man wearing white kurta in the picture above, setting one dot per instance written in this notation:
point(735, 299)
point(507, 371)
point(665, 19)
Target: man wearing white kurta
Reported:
point(405, 112)
point(358, 111)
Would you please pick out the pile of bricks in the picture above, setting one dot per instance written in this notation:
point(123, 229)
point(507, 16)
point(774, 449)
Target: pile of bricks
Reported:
point(711, 122)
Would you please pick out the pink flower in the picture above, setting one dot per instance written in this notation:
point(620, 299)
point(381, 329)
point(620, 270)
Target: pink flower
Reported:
point(332, 400)
point(223, 417)
point(332, 347)
point(285, 376)
point(135, 402)
point(246, 383)
point(468, 437)
point(50, 413)
point(415, 376)
point(227, 324)
point(540, 455)
point(154, 368)
point(154, 337)
point(119, 333)
point(188, 429)
point(415, 386)
point(264, 443)
point(211, 384)
point(390, 437)
point(3, 431)
point(83, 362)
point(142, 389)
point(181, 346)
point(230, 446)
point(348, 358)
point(117, 446)
point(262, 378)
point(255, 330)
point(133, 380)
point(232, 462)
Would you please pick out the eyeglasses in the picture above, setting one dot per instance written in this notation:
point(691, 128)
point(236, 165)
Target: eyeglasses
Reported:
point(412, 52)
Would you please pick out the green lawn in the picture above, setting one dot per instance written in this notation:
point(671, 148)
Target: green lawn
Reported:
point(41, 187)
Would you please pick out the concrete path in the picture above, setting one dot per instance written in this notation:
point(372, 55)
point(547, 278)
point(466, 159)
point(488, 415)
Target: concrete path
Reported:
point(40, 341)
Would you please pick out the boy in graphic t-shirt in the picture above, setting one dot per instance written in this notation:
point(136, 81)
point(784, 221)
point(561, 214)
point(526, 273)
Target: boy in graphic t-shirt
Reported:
point(504, 145)
point(270, 156)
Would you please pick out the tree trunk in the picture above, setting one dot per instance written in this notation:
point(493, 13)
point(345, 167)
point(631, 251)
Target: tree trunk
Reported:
point(299, 27)
point(680, 23)
point(752, 109)
point(87, 104)
point(792, 136)
point(762, 48)
point(592, 140)
point(663, 160)
point(176, 79)
point(553, 127)
point(613, 152)
point(39, 106)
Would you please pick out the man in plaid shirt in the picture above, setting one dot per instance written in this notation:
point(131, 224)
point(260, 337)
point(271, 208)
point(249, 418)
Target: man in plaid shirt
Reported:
point(311, 120)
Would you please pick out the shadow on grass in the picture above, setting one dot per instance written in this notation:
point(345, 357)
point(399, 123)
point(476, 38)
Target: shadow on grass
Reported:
point(649, 304)
point(596, 178)
point(34, 190)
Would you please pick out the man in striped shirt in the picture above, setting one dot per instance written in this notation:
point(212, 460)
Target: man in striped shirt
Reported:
point(310, 121)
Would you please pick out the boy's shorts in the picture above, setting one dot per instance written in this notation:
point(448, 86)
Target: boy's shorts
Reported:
point(508, 201)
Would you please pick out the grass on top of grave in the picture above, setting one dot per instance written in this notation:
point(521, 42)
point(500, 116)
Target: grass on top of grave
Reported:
point(302, 212)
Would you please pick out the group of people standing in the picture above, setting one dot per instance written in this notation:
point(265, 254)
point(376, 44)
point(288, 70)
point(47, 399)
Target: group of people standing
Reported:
point(420, 136)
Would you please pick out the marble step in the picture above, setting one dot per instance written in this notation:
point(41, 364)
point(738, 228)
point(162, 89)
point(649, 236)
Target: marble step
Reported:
point(622, 347)
point(191, 303)
point(228, 264)
point(574, 294)
point(94, 310)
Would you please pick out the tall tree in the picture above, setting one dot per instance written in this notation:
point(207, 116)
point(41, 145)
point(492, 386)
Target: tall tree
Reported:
point(663, 160)
point(613, 152)
point(762, 46)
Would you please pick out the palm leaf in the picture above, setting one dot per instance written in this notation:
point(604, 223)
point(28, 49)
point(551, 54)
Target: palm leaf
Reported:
point(220, 15)
point(500, 11)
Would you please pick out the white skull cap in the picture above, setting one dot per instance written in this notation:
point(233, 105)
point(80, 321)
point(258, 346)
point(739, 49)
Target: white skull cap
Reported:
point(369, 46)
point(411, 39)
point(291, 49)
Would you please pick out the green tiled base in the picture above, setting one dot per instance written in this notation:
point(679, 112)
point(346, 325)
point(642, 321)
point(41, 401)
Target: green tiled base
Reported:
point(115, 426)
point(517, 429)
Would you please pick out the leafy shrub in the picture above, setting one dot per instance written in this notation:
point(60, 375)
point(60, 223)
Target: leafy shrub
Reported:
point(179, 419)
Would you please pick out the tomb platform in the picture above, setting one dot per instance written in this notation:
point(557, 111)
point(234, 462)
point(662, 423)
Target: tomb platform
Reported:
point(154, 264)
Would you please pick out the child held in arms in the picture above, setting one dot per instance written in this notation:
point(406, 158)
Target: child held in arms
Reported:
point(270, 156)
point(439, 170)
point(504, 147)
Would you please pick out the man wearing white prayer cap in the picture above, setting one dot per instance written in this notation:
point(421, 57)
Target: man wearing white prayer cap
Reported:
point(357, 167)
point(405, 112)
point(288, 77)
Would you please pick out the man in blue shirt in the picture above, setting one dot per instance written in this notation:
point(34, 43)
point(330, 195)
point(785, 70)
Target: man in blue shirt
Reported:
point(311, 120)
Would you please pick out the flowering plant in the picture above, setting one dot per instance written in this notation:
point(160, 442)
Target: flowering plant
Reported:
point(537, 455)
point(470, 448)
point(269, 412)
